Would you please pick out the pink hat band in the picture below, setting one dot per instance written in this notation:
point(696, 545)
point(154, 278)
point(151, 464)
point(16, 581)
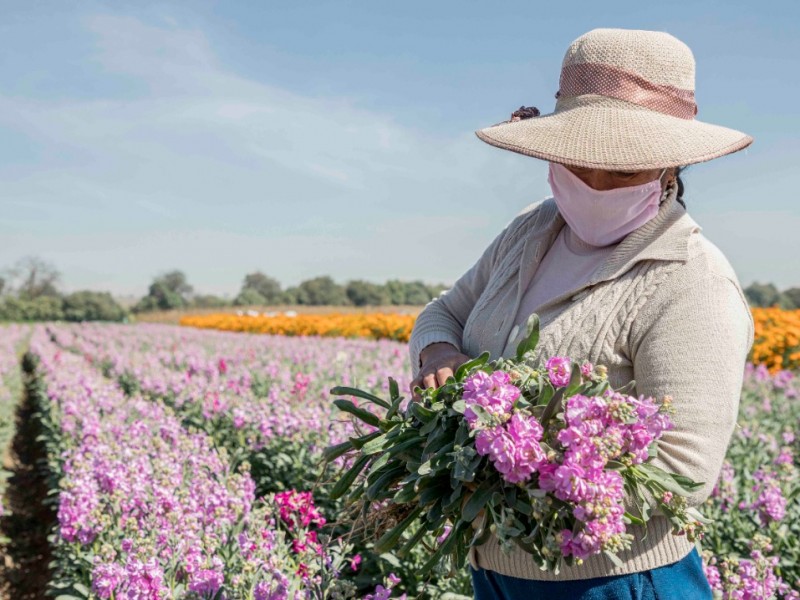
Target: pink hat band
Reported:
point(606, 80)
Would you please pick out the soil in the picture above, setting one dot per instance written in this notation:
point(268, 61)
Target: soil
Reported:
point(24, 573)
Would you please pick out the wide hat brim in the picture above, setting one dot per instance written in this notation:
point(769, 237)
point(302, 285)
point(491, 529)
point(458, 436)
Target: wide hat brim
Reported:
point(605, 133)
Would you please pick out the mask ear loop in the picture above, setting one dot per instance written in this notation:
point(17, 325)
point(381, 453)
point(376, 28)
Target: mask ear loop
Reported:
point(666, 189)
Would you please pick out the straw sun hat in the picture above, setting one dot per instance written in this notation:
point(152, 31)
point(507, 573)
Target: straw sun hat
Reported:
point(625, 103)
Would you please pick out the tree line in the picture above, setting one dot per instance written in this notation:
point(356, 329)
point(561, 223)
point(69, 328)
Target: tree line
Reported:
point(171, 290)
point(29, 291)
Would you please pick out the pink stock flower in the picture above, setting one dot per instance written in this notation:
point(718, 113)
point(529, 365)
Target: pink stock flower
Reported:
point(559, 369)
point(494, 393)
point(513, 448)
point(770, 503)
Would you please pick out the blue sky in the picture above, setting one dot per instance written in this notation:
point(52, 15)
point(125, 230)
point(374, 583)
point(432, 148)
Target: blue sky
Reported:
point(337, 138)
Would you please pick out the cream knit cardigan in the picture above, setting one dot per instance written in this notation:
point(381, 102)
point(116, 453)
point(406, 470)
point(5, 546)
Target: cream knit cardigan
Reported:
point(665, 309)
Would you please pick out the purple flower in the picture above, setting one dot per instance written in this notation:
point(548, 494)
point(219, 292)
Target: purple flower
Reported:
point(770, 503)
point(494, 393)
point(513, 448)
point(106, 578)
point(206, 581)
point(559, 368)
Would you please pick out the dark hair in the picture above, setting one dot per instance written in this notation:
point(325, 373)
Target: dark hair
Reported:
point(679, 181)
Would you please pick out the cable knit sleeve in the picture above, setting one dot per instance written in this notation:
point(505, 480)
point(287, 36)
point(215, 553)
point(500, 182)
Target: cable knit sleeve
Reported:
point(443, 319)
point(693, 345)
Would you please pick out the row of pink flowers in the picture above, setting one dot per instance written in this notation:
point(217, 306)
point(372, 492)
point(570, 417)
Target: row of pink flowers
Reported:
point(159, 507)
point(265, 387)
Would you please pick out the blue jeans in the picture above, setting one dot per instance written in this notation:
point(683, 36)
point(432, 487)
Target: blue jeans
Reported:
point(683, 580)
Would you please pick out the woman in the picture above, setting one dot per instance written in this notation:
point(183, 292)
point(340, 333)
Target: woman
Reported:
point(620, 275)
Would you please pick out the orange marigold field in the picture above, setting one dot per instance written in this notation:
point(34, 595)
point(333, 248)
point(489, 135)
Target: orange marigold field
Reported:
point(369, 325)
point(776, 344)
point(777, 338)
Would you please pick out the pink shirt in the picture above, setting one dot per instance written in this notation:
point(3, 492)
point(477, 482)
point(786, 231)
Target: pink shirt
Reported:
point(568, 264)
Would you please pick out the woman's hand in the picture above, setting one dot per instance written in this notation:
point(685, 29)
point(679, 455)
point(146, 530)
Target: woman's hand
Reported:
point(439, 361)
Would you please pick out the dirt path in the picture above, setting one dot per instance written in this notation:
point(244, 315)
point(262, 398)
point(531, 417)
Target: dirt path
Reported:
point(24, 573)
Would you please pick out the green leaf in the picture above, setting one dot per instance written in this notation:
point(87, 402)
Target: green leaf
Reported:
point(359, 442)
point(406, 494)
point(378, 464)
point(634, 519)
point(553, 406)
point(394, 390)
point(688, 484)
point(374, 446)
point(627, 388)
point(471, 364)
point(395, 407)
point(444, 548)
point(425, 415)
point(546, 392)
point(614, 558)
point(348, 391)
point(332, 452)
point(668, 480)
point(574, 381)
point(348, 478)
point(383, 483)
point(411, 543)
point(364, 415)
point(531, 336)
point(410, 443)
point(432, 494)
point(391, 538)
point(481, 535)
point(478, 500)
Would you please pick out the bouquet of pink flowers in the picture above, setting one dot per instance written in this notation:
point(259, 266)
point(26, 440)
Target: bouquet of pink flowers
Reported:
point(553, 459)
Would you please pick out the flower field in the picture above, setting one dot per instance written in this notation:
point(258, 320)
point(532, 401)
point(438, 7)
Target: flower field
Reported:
point(777, 331)
point(777, 338)
point(390, 326)
point(188, 463)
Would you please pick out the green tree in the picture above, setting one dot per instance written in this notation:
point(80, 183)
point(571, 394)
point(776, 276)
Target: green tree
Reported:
point(209, 301)
point(436, 289)
point(396, 290)
point(168, 291)
point(92, 306)
point(37, 278)
point(43, 308)
point(417, 293)
point(292, 295)
point(364, 293)
point(762, 294)
point(768, 295)
point(793, 295)
point(249, 297)
point(322, 291)
point(267, 287)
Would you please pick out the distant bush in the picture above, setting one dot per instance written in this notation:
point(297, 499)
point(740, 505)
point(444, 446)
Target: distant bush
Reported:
point(43, 308)
point(78, 306)
point(767, 295)
point(209, 301)
point(249, 297)
point(92, 306)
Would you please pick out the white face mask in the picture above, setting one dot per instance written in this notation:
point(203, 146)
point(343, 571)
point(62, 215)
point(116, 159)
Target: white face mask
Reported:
point(603, 217)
